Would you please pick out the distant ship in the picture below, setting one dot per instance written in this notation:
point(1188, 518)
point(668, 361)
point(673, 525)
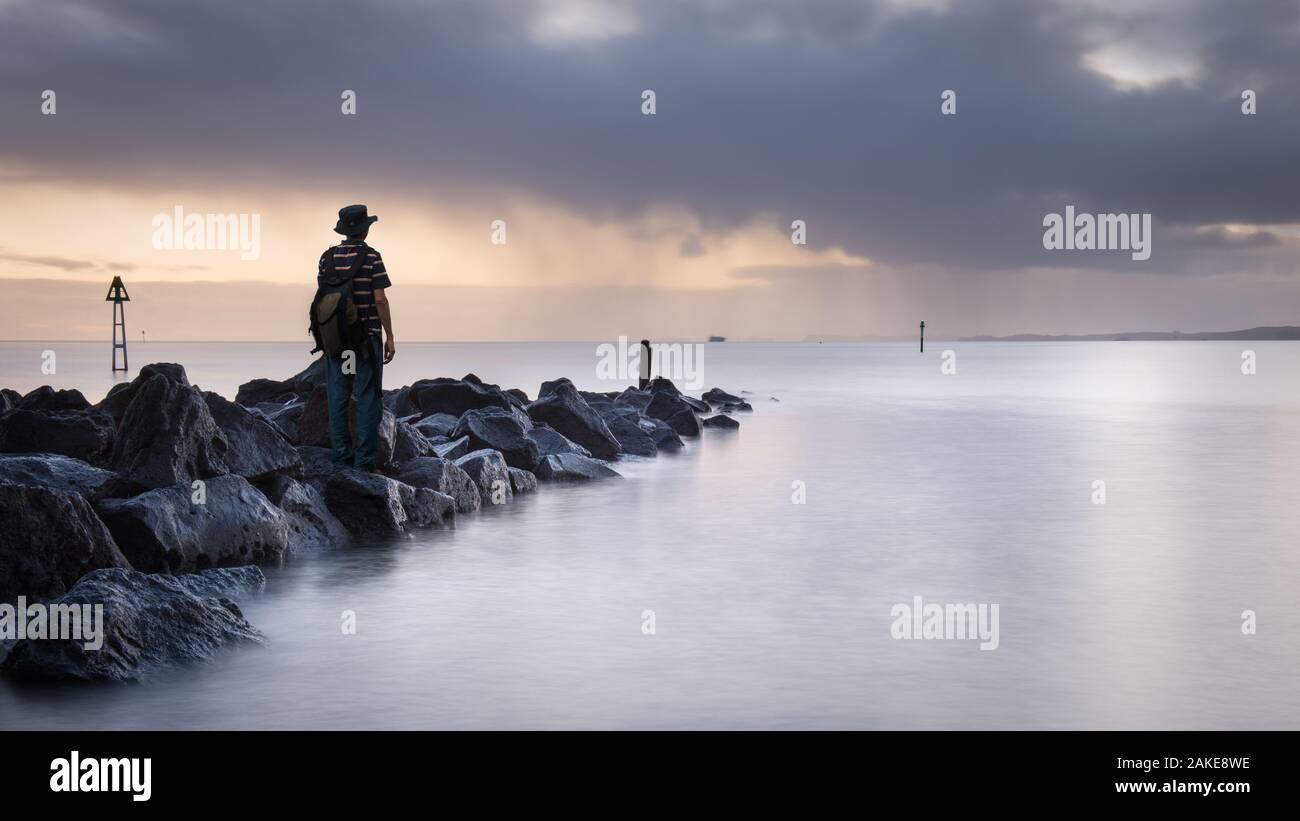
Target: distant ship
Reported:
point(717, 339)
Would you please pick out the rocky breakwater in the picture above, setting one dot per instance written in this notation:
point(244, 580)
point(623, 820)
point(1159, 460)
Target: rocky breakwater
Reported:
point(162, 500)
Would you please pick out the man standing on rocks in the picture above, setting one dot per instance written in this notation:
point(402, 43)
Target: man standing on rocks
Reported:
point(365, 368)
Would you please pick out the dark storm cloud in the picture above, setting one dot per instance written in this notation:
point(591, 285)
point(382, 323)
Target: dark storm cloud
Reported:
point(822, 111)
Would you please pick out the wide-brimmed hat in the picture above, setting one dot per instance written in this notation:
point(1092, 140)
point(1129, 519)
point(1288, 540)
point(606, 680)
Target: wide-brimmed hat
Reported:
point(353, 219)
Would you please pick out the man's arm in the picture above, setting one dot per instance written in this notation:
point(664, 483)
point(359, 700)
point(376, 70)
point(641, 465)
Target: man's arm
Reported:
point(381, 305)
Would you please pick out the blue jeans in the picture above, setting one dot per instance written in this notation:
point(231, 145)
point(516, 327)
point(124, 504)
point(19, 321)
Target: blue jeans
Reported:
point(368, 384)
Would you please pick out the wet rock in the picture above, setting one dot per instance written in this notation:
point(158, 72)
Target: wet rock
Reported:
point(626, 429)
point(697, 405)
point(61, 473)
point(368, 504)
point(311, 524)
point(167, 436)
point(84, 435)
point(735, 407)
point(254, 448)
point(670, 408)
point(717, 396)
point(165, 531)
point(426, 507)
point(499, 430)
point(567, 412)
point(665, 438)
point(49, 538)
point(150, 623)
point(522, 481)
point(570, 467)
point(488, 470)
point(551, 442)
point(454, 449)
point(635, 398)
point(445, 477)
point(721, 422)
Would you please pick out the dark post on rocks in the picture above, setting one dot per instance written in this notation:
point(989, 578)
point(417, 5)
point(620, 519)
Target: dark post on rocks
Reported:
point(645, 364)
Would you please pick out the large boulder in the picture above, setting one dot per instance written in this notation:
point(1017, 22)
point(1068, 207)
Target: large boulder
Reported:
point(500, 430)
point(567, 412)
point(662, 384)
point(522, 481)
point(570, 467)
point(426, 507)
point(368, 504)
point(452, 450)
point(49, 400)
point(49, 538)
point(450, 396)
point(721, 422)
point(254, 447)
point(317, 465)
point(551, 442)
point(9, 399)
point(167, 436)
point(314, 426)
point(119, 398)
point(85, 435)
point(300, 384)
point(443, 476)
point(665, 438)
point(622, 421)
point(437, 424)
point(670, 408)
point(635, 398)
point(409, 442)
point(149, 623)
point(549, 387)
point(489, 471)
point(166, 531)
point(61, 473)
point(311, 524)
point(717, 396)
point(697, 405)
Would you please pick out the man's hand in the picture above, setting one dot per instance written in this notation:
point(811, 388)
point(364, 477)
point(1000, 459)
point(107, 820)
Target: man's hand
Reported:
point(390, 350)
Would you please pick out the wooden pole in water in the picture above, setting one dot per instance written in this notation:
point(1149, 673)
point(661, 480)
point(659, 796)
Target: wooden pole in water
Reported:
point(922, 336)
point(645, 364)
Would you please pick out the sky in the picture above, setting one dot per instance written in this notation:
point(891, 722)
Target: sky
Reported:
point(675, 224)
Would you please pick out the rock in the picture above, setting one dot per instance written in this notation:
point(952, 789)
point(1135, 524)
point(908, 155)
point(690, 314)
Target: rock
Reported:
point(670, 408)
point(409, 443)
point(314, 426)
point(9, 399)
point(122, 394)
point(368, 504)
point(299, 385)
point(631, 438)
point(732, 407)
point(636, 398)
point(254, 447)
point(317, 465)
point(284, 417)
point(450, 396)
point(165, 531)
point(445, 477)
point(311, 524)
point(150, 623)
point(662, 385)
point(549, 387)
point(665, 438)
point(717, 396)
point(570, 467)
point(48, 400)
point(495, 429)
point(488, 470)
point(567, 412)
point(696, 405)
point(168, 437)
point(721, 422)
point(426, 507)
point(522, 481)
point(551, 442)
point(437, 424)
point(453, 450)
point(84, 435)
point(61, 473)
point(521, 398)
point(48, 539)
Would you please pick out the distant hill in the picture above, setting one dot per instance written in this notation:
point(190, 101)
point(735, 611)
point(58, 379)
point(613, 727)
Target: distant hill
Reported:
point(1280, 332)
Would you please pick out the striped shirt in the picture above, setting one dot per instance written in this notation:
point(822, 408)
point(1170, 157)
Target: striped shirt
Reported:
point(371, 276)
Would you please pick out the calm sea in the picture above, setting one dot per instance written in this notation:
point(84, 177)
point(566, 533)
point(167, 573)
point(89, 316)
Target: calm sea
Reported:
point(971, 487)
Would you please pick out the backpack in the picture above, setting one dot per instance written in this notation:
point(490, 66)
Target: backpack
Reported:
point(335, 326)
